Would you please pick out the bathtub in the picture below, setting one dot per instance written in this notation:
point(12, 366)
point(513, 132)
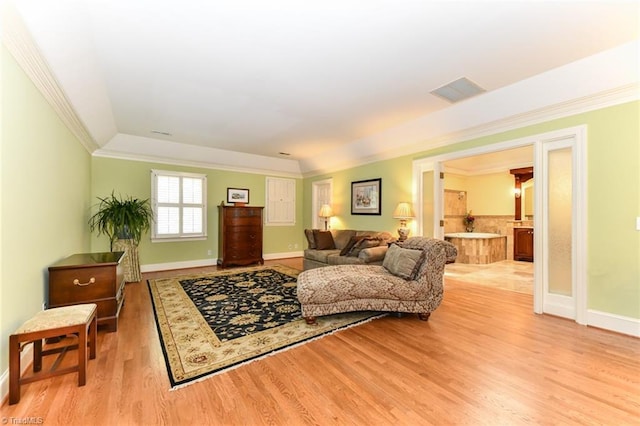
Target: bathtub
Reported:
point(478, 247)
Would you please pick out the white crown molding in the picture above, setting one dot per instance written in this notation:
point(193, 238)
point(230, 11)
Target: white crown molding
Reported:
point(21, 46)
point(486, 171)
point(608, 98)
point(136, 148)
point(118, 155)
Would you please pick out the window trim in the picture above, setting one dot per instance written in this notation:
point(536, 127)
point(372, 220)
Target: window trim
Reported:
point(155, 238)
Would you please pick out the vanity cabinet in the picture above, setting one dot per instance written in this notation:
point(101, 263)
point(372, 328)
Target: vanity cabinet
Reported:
point(523, 244)
point(89, 278)
point(240, 236)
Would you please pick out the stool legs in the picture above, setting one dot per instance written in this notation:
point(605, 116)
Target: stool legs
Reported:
point(82, 357)
point(37, 355)
point(14, 369)
point(93, 337)
point(87, 336)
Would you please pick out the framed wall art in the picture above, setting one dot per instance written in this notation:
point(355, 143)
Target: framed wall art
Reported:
point(366, 197)
point(237, 195)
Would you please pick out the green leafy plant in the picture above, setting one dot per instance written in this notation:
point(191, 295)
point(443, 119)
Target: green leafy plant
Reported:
point(122, 218)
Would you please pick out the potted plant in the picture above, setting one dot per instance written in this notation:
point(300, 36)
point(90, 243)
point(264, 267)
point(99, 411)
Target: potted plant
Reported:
point(469, 221)
point(122, 218)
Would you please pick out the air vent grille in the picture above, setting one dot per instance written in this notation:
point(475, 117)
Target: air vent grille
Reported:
point(458, 90)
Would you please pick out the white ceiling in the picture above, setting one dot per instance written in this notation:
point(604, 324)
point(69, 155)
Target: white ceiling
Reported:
point(312, 79)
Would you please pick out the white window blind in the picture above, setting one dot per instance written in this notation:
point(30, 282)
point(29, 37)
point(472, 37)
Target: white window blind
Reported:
point(281, 202)
point(179, 205)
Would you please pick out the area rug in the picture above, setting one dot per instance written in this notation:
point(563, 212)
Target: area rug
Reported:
point(209, 323)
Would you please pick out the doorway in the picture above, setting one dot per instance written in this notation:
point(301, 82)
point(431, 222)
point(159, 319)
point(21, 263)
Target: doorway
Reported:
point(322, 193)
point(545, 301)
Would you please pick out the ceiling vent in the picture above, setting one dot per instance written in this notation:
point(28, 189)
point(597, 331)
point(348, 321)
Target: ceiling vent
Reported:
point(458, 90)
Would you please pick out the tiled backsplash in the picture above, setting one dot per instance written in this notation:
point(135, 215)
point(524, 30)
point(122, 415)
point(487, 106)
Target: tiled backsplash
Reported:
point(455, 202)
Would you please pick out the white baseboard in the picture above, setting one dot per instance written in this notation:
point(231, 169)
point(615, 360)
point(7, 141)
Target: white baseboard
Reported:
point(275, 256)
point(26, 360)
point(208, 262)
point(613, 322)
point(178, 265)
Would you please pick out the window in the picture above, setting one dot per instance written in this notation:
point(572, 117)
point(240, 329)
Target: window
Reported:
point(281, 202)
point(179, 205)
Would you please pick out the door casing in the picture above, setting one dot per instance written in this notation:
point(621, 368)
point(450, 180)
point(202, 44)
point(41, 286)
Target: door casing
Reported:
point(578, 137)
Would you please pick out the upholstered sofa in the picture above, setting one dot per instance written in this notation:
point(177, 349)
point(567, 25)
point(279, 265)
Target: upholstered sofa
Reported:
point(409, 280)
point(345, 247)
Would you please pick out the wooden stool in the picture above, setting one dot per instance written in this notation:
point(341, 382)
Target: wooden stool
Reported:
point(76, 319)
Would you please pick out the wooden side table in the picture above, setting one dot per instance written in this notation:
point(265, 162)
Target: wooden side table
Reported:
point(90, 278)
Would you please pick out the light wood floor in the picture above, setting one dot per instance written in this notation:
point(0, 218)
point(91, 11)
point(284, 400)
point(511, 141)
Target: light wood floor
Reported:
point(482, 358)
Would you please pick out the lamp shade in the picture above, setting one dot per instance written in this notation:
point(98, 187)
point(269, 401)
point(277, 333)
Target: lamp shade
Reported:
point(403, 211)
point(325, 211)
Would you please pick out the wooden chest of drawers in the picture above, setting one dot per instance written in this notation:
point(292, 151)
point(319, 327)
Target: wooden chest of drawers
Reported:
point(240, 236)
point(89, 278)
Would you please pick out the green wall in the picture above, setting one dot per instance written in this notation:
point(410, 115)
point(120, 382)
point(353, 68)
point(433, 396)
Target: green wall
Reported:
point(613, 198)
point(396, 187)
point(133, 178)
point(45, 179)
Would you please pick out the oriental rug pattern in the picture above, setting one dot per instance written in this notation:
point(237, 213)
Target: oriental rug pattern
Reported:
point(209, 323)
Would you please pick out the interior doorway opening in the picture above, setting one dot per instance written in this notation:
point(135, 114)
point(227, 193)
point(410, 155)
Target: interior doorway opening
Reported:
point(575, 306)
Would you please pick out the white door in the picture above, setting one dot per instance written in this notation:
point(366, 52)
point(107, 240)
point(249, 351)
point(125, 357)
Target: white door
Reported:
point(428, 199)
point(560, 230)
point(322, 194)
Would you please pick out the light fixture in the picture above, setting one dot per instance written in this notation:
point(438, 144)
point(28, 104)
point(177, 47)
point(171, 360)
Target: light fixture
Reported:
point(517, 192)
point(460, 195)
point(325, 212)
point(403, 212)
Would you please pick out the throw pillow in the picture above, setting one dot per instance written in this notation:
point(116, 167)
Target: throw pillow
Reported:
point(401, 262)
point(309, 234)
point(352, 242)
point(323, 239)
point(364, 243)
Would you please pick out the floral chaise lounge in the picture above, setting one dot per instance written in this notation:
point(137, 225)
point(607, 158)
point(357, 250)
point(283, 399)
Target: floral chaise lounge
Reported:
point(410, 279)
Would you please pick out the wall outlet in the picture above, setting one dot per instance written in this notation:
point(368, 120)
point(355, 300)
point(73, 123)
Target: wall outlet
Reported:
point(295, 245)
point(209, 252)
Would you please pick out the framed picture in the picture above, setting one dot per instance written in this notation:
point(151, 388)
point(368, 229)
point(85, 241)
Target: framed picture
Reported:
point(237, 195)
point(366, 197)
